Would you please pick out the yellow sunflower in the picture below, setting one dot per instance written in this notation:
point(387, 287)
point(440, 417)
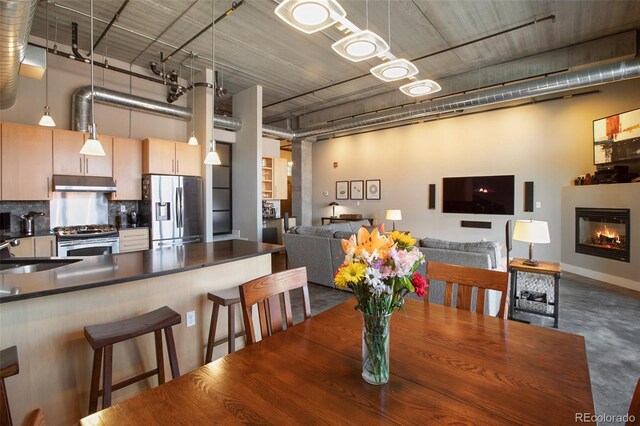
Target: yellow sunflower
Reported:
point(351, 273)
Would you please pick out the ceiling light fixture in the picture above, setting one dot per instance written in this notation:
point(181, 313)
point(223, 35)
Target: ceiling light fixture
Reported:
point(212, 156)
point(92, 146)
point(46, 119)
point(310, 16)
point(420, 88)
point(394, 70)
point(192, 139)
point(360, 46)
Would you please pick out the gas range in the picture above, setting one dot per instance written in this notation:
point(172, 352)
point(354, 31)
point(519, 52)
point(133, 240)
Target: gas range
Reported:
point(87, 240)
point(85, 231)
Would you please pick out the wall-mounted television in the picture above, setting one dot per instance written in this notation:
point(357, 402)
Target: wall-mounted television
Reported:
point(617, 138)
point(478, 194)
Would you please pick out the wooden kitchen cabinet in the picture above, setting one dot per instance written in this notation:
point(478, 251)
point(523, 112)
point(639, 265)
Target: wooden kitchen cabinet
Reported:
point(134, 239)
point(67, 159)
point(274, 178)
point(44, 246)
point(166, 157)
point(127, 169)
point(26, 162)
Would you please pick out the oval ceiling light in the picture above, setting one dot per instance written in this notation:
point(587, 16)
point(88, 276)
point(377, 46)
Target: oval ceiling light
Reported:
point(394, 70)
point(310, 16)
point(360, 46)
point(420, 88)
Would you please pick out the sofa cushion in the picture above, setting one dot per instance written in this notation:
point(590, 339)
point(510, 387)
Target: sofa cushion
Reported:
point(342, 235)
point(492, 248)
point(316, 231)
point(379, 226)
point(355, 226)
point(341, 226)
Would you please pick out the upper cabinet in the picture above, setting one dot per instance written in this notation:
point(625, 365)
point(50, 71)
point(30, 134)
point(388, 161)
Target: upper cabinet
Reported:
point(67, 159)
point(165, 157)
point(127, 169)
point(27, 159)
point(274, 178)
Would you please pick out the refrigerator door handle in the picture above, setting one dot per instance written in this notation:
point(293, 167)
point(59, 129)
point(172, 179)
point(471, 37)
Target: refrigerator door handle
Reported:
point(181, 195)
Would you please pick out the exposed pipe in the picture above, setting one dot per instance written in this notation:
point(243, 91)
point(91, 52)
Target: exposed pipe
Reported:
point(116, 16)
point(81, 108)
point(15, 26)
point(557, 83)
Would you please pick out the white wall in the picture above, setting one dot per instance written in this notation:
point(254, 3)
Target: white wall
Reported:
point(66, 75)
point(549, 143)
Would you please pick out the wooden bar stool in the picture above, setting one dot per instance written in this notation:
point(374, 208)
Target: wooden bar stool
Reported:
point(9, 366)
point(101, 337)
point(229, 298)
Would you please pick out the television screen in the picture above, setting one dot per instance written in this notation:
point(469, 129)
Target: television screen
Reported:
point(478, 194)
point(617, 138)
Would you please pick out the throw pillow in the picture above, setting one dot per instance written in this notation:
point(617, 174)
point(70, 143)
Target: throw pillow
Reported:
point(379, 226)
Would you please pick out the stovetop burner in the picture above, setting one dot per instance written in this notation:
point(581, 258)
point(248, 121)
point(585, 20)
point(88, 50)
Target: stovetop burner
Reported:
point(84, 230)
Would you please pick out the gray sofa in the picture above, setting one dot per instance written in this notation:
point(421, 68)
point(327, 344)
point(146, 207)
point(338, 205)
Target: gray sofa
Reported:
point(319, 249)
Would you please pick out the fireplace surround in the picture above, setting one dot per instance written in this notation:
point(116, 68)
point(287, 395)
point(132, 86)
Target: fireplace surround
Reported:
point(603, 232)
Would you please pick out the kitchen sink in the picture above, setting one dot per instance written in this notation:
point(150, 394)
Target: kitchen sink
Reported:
point(16, 265)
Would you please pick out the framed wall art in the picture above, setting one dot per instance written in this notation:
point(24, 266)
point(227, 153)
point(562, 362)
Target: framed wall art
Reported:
point(617, 138)
point(373, 189)
point(357, 190)
point(342, 190)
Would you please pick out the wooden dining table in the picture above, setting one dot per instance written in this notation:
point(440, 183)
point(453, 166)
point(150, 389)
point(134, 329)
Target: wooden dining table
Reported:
point(447, 366)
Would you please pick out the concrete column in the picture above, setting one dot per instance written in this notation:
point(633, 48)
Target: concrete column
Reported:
point(203, 116)
point(301, 191)
point(247, 160)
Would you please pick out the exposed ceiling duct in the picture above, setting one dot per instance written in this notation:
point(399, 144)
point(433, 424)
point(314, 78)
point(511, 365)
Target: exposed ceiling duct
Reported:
point(16, 17)
point(81, 108)
point(559, 83)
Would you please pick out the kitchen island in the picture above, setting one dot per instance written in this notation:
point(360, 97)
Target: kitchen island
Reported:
point(47, 312)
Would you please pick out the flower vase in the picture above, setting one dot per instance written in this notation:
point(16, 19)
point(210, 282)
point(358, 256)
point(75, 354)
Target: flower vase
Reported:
point(375, 349)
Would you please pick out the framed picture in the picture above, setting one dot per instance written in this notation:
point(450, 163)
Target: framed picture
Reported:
point(357, 190)
point(342, 190)
point(617, 138)
point(373, 189)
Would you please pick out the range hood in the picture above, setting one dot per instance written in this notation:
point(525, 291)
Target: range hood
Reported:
point(83, 183)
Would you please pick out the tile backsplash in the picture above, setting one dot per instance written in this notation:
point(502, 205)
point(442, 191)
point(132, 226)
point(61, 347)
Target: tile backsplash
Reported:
point(17, 208)
point(114, 210)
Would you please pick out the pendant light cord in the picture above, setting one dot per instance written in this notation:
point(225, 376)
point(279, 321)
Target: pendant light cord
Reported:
point(366, 7)
point(46, 53)
point(213, 72)
point(389, 19)
point(93, 112)
point(193, 100)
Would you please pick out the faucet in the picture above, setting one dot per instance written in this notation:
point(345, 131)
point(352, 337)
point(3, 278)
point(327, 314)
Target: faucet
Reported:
point(4, 248)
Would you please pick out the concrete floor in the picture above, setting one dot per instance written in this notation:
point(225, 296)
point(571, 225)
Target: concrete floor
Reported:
point(607, 316)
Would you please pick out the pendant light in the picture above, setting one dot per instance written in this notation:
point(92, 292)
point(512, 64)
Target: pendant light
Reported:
point(212, 157)
point(46, 119)
point(310, 16)
point(92, 146)
point(192, 139)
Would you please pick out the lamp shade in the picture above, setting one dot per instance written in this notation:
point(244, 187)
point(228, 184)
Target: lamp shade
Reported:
point(394, 215)
point(212, 158)
point(531, 231)
point(333, 203)
point(92, 147)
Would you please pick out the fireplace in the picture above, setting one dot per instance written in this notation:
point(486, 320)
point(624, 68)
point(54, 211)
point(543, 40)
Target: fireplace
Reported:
point(603, 233)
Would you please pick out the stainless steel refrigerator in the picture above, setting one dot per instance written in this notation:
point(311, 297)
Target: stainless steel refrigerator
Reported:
point(172, 208)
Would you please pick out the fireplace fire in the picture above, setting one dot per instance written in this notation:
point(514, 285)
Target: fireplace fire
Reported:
point(603, 233)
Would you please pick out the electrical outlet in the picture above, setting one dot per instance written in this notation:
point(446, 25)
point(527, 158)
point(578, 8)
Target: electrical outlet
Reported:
point(191, 318)
point(538, 204)
point(123, 209)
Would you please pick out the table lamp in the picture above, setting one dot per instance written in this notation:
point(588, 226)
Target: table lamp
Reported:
point(333, 204)
point(531, 231)
point(394, 215)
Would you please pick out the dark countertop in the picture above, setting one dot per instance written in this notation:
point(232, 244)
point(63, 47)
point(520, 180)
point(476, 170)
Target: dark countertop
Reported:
point(99, 271)
point(12, 235)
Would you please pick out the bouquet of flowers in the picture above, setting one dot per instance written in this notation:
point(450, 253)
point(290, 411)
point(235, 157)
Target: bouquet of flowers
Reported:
point(380, 270)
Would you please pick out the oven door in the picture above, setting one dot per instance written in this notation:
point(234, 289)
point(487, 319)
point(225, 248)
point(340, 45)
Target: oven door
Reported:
point(88, 247)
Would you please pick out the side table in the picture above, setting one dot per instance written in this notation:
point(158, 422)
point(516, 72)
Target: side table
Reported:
point(544, 268)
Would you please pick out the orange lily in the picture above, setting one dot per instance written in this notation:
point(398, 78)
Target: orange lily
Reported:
point(367, 242)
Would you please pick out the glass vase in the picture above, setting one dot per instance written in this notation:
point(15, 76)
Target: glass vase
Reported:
point(375, 349)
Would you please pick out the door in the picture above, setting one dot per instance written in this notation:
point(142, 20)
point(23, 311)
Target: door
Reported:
point(67, 159)
point(280, 178)
point(163, 207)
point(26, 162)
point(191, 220)
point(97, 165)
point(187, 159)
point(127, 168)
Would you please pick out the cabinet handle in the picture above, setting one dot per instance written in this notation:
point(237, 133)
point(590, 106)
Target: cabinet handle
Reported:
point(115, 194)
point(173, 166)
point(86, 166)
point(48, 188)
point(80, 165)
point(177, 166)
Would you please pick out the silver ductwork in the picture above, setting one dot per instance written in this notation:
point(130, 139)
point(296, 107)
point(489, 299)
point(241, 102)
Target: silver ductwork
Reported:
point(560, 83)
point(16, 17)
point(81, 108)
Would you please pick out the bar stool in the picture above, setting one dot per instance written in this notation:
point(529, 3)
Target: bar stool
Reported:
point(101, 337)
point(229, 298)
point(9, 366)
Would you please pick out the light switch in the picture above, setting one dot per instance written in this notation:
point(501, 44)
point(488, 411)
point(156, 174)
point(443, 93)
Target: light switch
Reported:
point(538, 204)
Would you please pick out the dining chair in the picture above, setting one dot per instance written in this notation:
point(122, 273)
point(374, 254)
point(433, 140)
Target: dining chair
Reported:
point(271, 294)
point(634, 407)
point(467, 278)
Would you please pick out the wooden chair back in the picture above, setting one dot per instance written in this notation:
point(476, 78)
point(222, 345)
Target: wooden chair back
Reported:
point(634, 407)
point(467, 278)
point(271, 294)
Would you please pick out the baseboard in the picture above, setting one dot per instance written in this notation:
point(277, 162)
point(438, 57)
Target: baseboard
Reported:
point(611, 279)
